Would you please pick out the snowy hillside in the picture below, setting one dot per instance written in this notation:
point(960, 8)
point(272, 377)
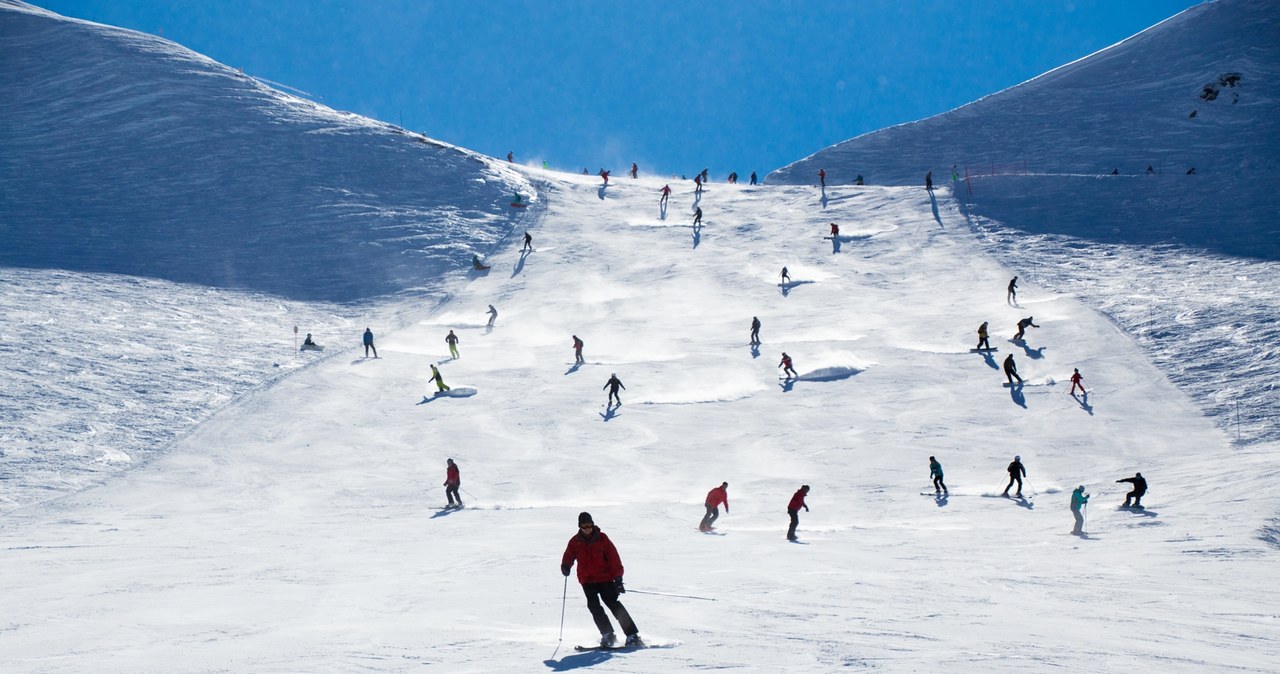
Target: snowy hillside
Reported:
point(1035, 164)
point(283, 511)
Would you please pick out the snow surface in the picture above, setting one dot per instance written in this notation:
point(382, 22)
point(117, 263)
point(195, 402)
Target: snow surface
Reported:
point(281, 513)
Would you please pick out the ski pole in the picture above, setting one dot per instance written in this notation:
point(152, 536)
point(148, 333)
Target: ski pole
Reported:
point(563, 600)
point(668, 594)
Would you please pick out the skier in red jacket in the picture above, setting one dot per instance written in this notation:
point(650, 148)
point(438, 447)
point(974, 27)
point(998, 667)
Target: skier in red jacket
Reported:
point(822, 177)
point(451, 483)
point(1075, 381)
point(600, 573)
point(793, 509)
point(715, 497)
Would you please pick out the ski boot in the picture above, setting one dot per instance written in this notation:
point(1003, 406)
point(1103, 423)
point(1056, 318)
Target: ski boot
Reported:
point(608, 640)
point(633, 641)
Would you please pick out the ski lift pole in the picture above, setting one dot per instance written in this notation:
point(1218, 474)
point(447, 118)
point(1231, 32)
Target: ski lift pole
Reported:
point(668, 594)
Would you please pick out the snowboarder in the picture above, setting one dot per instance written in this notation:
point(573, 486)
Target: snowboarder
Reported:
point(1139, 488)
point(858, 180)
point(793, 510)
point(307, 340)
point(452, 340)
point(1023, 324)
point(510, 157)
point(613, 385)
point(935, 472)
point(435, 375)
point(983, 342)
point(835, 230)
point(368, 343)
point(733, 178)
point(1075, 381)
point(517, 200)
point(928, 181)
point(1011, 297)
point(666, 192)
point(1011, 369)
point(493, 316)
point(577, 350)
point(1016, 473)
point(697, 217)
point(753, 177)
point(604, 174)
point(477, 264)
point(697, 184)
point(1079, 499)
point(634, 170)
point(528, 242)
point(755, 330)
point(715, 497)
point(451, 484)
point(786, 276)
point(786, 366)
point(600, 573)
point(822, 177)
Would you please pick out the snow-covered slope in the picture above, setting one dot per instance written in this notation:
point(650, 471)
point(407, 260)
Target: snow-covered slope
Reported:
point(125, 153)
point(296, 529)
point(1150, 251)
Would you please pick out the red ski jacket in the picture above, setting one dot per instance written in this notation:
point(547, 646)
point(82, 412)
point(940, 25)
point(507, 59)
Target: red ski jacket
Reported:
point(451, 475)
point(717, 496)
point(797, 501)
point(598, 560)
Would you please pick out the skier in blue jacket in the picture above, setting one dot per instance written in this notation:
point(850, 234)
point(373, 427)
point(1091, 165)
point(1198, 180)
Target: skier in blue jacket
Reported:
point(935, 472)
point(1078, 500)
point(368, 343)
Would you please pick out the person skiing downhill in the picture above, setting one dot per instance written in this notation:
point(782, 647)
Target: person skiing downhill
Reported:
point(793, 510)
point(697, 184)
point(697, 217)
point(786, 276)
point(528, 242)
point(605, 175)
point(1016, 473)
point(435, 375)
point(600, 574)
point(666, 192)
point(786, 366)
point(1075, 381)
point(368, 343)
point(715, 497)
point(983, 343)
point(858, 180)
point(1011, 296)
point(452, 340)
point(1079, 499)
point(935, 472)
point(451, 483)
point(1011, 369)
point(835, 230)
point(577, 350)
point(493, 316)
point(634, 170)
point(928, 181)
point(510, 157)
point(755, 330)
point(613, 385)
point(1139, 488)
point(753, 177)
point(1023, 324)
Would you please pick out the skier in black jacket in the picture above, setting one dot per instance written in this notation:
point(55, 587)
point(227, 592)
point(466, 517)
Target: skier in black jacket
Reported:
point(1016, 473)
point(1139, 488)
point(613, 385)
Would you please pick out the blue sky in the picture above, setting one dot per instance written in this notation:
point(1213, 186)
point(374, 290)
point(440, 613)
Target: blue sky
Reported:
point(674, 86)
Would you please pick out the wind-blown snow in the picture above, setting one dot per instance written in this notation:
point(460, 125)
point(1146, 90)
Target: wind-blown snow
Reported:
point(295, 528)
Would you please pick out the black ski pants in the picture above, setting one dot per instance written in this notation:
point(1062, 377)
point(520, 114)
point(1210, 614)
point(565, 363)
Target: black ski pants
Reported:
point(451, 493)
point(608, 593)
point(795, 520)
point(939, 484)
point(713, 513)
point(1135, 495)
point(1013, 478)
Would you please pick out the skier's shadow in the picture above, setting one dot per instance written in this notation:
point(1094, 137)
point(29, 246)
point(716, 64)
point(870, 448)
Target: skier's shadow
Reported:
point(427, 399)
point(697, 235)
point(755, 350)
point(1143, 512)
point(444, 512)
point(1033, 353)
point(524, 255)
point(990, 360)
point(1015, 392)
point(610, 412)
point(573, 369)
point(835, 244)
point(1084, 402)
point(933, 201)
point(1022, 501)
point(662, 211)
point(941, 500)
point(600, 192)
point(824, 199)
point(788, 285)
point(787, 384)
point(578, 660)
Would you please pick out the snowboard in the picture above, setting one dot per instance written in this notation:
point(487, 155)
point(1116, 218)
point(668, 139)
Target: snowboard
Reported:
point(987, 350)
point(519, 205)
point(457, 392)
point(311, 347)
